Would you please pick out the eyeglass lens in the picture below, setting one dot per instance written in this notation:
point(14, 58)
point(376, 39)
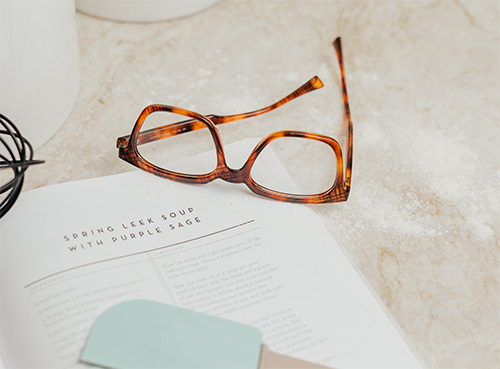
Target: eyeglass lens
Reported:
point(179, 153)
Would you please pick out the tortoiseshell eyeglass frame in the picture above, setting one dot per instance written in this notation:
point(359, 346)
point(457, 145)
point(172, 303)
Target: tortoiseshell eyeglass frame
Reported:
point(339, 191)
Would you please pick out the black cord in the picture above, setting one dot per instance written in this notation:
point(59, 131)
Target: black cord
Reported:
point(16, 155)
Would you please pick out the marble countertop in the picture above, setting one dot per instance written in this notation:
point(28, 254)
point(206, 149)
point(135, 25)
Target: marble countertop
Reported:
point(422, 222)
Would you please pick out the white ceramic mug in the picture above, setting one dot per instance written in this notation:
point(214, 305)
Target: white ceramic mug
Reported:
point(39, 65)
point(142, 10)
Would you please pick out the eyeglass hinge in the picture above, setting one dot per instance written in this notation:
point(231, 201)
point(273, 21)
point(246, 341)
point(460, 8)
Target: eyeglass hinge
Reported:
point(122, 142)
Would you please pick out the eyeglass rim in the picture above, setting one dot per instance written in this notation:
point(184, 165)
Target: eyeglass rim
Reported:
point(131, 154)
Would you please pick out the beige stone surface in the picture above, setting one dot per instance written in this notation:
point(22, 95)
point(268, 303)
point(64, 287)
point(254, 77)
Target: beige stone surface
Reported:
point(423, 220)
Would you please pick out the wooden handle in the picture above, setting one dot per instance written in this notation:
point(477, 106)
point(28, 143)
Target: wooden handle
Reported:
point(272, 360)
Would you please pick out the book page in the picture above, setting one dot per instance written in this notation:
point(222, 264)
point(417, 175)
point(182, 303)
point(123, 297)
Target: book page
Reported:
point(71, 251)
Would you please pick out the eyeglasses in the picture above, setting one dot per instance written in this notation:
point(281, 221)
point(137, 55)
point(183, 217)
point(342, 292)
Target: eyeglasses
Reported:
point(147, 149)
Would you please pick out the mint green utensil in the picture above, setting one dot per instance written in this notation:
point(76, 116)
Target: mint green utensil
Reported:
point(148, 334)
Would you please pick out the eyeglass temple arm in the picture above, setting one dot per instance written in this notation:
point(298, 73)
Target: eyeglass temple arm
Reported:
point(347, 180)
point(311, 85)
point(173, 129)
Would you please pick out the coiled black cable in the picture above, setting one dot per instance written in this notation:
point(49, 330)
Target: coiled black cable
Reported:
point(16, 155)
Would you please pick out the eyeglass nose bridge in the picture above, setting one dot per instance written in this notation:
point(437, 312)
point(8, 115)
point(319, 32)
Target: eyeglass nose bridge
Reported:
point(232, 175)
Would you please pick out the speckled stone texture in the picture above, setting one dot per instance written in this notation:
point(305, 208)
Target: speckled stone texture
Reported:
point(423, 219)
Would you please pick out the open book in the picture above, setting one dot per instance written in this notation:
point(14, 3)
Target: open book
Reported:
point(70, 251)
